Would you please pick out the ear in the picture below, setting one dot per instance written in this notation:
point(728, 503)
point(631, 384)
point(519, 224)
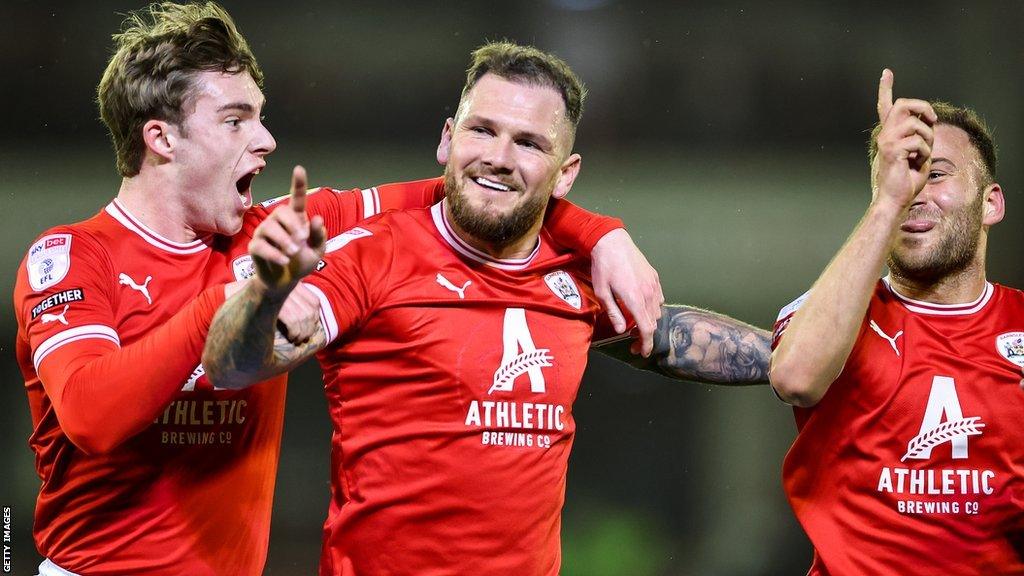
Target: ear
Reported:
point(567, 175)
point(160, 138)
point(444, 147)
point(994, 206)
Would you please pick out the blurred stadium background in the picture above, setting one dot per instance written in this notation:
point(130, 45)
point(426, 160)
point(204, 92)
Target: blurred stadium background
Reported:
point(729, 136)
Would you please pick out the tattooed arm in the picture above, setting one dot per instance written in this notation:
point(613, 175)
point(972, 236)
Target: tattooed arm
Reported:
point(702, 346)
point(243, 346)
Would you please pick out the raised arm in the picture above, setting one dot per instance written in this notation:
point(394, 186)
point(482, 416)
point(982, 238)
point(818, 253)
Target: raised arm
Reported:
point(815, 345)
point(702, 346)
point(242, 346)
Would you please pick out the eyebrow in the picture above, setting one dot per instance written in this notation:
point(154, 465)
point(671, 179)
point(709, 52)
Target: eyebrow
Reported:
point(946, 160)
point(241, 106)
point(540, 139)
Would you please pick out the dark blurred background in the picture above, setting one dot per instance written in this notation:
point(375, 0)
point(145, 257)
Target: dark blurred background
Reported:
point(729, 136)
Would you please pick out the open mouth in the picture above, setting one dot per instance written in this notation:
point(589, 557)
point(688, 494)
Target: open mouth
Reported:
point(244, 186)
point(492, 184)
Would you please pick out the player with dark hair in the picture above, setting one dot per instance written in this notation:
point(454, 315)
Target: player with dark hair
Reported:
point(453, 340)
point(910, 453)
point(146, 467)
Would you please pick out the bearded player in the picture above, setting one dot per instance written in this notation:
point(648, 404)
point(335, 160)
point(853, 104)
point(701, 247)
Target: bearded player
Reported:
point(147, 468)
point(910, 452)
point(453, 341)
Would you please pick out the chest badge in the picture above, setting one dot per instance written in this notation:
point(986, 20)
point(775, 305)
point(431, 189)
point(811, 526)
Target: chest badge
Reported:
point(126, 280)
point(564, 287)
point(243, 267)
point(1011, 346)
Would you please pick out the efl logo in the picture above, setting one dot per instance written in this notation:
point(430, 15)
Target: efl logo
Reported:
point(49, 260)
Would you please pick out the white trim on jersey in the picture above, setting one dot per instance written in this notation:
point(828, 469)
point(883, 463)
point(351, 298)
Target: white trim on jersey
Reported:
point(48, 568)
point(73, 335)
point(121, 214)
point(460, 246)
point(793, 306)
point(922, 307)
point(327, 318)
point(371, 202)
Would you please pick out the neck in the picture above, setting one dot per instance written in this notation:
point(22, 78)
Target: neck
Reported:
point(519, 248)
point(146, 198)
point(960, 287)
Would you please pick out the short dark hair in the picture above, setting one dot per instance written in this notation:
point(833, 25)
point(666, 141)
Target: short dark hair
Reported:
point(978, 133)
point(528, 64)
point(157, 55)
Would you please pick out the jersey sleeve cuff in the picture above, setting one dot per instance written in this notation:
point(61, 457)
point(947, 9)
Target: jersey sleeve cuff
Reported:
point(73, 335)
point(327, 318)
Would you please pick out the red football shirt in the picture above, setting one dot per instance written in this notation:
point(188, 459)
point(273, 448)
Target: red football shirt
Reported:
point(450, 381)
point(191, 494)
point(913, 462)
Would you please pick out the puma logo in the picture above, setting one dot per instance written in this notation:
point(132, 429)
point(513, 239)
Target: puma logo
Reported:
point(57, 317)
point(891, 341)
point(447, 284)
point(144, 288)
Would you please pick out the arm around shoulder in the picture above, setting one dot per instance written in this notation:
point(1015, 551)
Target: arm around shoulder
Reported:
point(703, 346)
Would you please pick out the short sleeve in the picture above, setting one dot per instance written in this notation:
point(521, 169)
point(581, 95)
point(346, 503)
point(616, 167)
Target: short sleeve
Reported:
point(784, 318)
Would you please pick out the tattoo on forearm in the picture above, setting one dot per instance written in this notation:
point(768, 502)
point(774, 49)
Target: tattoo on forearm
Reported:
point(289, 353)
point(695, 344)
point(243, 346)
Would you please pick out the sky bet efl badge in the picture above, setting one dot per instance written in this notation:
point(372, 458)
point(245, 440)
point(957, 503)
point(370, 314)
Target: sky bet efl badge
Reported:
point(563, 286)
point(49, 260)
point(1011, 346)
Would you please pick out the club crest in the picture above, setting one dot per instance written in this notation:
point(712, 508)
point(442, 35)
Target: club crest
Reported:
point(49, 260)
point(1011, 346)
point(564, 287)
point(243, 267)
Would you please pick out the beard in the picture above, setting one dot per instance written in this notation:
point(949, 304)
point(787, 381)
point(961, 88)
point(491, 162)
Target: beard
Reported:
point(954, 252)
point(498, 230)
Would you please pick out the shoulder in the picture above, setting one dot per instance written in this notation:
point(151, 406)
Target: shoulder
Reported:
point(426, 186)
point(409, 223)
point(49, 258)
point(375, 234)
point(1007, 298)
point(1009, 292)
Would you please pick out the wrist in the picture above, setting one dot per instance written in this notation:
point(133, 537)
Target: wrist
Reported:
point(270, 294)
point(887, 208)
point(608, 240)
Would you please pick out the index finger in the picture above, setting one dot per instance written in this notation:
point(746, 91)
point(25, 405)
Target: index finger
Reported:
point(884, 94)
point(297, 198)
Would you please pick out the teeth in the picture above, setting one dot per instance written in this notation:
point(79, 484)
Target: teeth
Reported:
point(257, 172)
point(490, 184)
